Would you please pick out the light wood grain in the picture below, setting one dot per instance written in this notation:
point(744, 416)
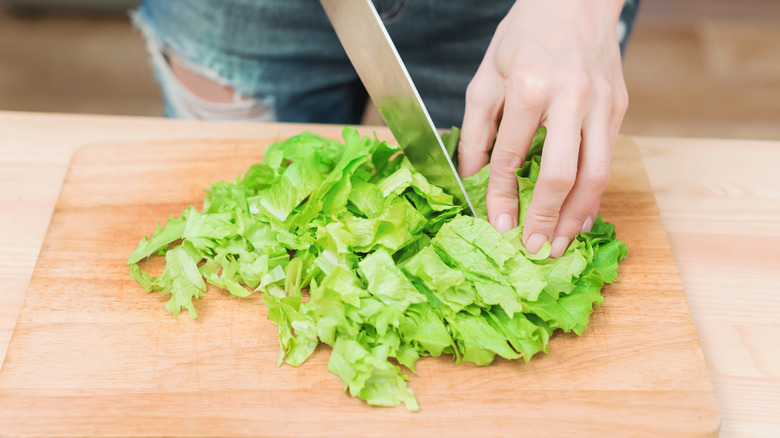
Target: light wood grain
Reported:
point(732, 293)
point(720, 203)
point(88, 340)
point(34, 153)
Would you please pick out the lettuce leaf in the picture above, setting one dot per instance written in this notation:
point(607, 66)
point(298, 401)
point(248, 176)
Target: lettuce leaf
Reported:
point(393, 269)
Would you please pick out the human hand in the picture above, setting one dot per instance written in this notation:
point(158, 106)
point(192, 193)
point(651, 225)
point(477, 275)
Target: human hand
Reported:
point(554, 63)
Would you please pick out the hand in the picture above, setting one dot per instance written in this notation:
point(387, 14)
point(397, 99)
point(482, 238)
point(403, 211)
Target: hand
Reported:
point(554, 63)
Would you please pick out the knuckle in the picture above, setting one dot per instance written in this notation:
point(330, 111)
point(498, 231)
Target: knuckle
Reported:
point(541, 219)
point(473, 93)
point(558, 176)
point(570, 223)
point(545, 216)
point(620, 101)
point(531, 90)
point(598, 174)
point(477, 93)
point(603, 91)
point(580, 85)
point(502, 184)
point(599, 178)
point(504, 199)
point(504, 164)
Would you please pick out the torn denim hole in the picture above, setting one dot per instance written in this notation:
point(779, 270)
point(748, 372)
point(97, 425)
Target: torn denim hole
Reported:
point(182, 103)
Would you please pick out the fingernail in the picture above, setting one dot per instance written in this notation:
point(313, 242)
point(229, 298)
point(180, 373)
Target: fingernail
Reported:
point(587, 226)
point(535, 242)
point(559, 246)
point(504, 222)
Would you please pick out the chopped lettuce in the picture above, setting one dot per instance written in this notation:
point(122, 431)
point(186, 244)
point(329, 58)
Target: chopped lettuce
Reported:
point(393, 268)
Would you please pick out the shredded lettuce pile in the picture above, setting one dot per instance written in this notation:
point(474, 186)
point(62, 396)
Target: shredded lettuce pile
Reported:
point(394, 269)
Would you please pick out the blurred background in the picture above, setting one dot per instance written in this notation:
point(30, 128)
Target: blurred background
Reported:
point(694, 68)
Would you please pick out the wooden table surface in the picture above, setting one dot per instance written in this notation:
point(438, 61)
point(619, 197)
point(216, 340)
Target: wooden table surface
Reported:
point(719, 199)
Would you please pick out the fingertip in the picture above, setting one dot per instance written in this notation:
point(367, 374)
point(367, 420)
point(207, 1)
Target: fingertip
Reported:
point(559, 246)
point(504, 222)
point(538, 228)
point(502, 198)
point(587, 225)
point(535, 242)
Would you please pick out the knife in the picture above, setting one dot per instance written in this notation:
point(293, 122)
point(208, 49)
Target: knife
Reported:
point(387, 81)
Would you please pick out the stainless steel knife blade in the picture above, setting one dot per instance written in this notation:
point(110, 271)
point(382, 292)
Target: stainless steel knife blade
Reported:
point(387, 81)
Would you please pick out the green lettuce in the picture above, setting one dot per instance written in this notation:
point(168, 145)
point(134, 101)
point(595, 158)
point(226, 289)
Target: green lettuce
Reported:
point(393, 268)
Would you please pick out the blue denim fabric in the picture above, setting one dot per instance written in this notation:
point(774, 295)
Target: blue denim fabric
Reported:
point(285, 52)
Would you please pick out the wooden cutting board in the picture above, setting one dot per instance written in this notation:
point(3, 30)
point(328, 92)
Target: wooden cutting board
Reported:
point(92, 354)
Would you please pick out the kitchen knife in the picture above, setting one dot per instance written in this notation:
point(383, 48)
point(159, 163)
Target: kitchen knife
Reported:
point(387, 81)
